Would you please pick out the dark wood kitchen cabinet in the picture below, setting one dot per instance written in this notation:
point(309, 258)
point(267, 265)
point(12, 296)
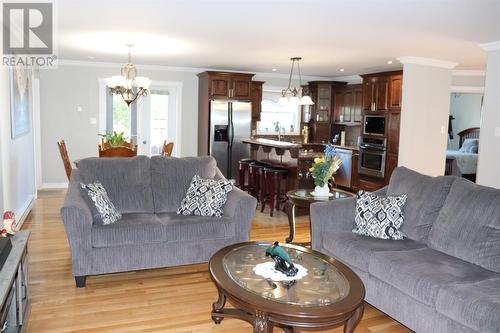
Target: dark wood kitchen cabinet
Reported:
point(256, 99)
point(375, 93)
point(228, 85)
point(382, 95)
point(323, 94)
point(348, 103)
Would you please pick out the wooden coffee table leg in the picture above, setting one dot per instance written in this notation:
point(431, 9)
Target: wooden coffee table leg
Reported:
point(217, 308)
point(290, 210)
point(354, 320)
point(261, 324)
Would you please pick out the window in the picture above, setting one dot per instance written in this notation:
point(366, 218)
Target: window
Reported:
point(122, 120)
point(159, 124)
point(287, 117)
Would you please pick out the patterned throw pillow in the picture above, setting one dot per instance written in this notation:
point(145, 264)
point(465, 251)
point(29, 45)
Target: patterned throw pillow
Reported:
point(102, 208)
point(205, 197)
point(378, 216)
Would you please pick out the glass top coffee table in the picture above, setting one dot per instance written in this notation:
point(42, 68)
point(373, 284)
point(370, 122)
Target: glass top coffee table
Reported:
point(329, 295)
point(303, 198)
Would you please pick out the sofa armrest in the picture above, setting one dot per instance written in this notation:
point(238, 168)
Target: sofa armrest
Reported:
point(240, 207)
point(333, 215)
point(77, 220)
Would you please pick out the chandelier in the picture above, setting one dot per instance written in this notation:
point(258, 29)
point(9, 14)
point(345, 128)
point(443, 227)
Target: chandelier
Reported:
point(290, 95)
point(128, 84)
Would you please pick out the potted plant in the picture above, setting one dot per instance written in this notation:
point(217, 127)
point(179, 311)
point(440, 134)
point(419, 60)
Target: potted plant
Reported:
point(323, 169)
point(114, 139)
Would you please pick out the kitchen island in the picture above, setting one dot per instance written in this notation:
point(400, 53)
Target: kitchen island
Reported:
point(298, 157)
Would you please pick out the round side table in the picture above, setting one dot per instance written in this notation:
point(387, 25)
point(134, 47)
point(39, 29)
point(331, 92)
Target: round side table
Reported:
point(303, 198)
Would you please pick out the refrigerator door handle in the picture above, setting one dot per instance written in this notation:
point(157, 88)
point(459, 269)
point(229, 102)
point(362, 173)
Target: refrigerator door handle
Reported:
point(230, 140)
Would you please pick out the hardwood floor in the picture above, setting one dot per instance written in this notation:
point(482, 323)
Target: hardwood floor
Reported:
point(167, 300)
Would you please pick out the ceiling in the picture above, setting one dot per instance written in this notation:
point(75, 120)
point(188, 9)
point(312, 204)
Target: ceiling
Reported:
point(359, 36)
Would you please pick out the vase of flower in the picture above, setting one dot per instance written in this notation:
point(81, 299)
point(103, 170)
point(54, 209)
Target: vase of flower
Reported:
point(321, 191)
point(323, 169)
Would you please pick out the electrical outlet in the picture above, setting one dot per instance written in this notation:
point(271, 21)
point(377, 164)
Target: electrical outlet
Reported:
point(93, 121)
point(497, 131)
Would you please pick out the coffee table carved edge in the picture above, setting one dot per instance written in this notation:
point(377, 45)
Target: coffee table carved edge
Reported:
point(264, 314)
point(295, 201)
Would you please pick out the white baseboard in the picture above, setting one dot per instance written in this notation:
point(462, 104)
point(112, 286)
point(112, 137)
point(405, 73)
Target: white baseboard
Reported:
point(23, 212)
point(48, 186)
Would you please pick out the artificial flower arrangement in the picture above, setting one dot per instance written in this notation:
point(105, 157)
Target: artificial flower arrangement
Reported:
point(323, 169)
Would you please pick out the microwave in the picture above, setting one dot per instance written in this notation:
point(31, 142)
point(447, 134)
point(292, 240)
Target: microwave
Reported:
point(374, 125)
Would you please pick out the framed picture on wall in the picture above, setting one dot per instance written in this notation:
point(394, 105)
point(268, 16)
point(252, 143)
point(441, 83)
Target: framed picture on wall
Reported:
point(20, 100)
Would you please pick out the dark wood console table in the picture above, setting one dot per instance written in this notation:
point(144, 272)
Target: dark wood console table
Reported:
point(14, 286)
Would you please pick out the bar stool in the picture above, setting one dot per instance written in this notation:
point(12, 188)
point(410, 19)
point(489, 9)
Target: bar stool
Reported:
point(256, 172)
point(271, 188)
point(243, 174)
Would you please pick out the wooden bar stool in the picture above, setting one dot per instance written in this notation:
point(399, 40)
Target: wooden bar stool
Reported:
point(256, 171)
point(243, 174)
point(271, 188)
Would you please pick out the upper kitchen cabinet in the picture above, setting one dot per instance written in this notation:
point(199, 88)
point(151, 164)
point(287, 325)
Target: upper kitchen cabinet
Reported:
point(256, 99)
point(348, 103)
point(323, 111)
point(227, 85)
point(396, 91)
point(375, 93)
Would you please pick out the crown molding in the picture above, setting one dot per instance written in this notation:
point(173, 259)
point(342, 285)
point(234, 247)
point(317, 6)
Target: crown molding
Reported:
point(493, 46)
point(468, 72)
point(194, 70)
point(427, 62)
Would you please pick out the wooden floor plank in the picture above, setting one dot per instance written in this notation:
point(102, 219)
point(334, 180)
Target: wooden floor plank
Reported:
point(169, 300)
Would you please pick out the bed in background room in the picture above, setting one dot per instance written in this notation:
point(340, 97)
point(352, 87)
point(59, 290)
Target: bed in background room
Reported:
point(463, 162)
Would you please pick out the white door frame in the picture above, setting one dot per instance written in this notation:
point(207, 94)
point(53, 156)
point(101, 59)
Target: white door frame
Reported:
point(175, 103)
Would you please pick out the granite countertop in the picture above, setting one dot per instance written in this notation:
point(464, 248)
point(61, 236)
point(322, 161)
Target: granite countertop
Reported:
point(272, 143)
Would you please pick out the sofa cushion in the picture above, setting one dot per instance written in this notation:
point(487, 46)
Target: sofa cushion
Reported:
point(196, 228)
point(379, 216)
point(126, 180)
point(172, 176)
point(133, 228)
point(205, 197)
point(356, 250)
point(167, 227)
point(426, 196)
point(476, 305)
point(96, 197)
point(421, 273)
point(468, 226)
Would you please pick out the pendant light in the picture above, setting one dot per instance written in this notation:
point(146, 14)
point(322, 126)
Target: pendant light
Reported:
point(290, 95)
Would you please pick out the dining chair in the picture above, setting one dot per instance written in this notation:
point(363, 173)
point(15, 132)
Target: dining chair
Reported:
point(167, 148)
point(118, 152)
point(65, 158)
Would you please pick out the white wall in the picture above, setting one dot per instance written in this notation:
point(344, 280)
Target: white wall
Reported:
point(424, 118)
point(17, 179)
point(489, 141)
point(466, 108)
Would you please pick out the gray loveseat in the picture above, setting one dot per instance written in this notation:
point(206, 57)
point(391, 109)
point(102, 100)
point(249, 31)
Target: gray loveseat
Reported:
point(148, 191)
point(445, 276)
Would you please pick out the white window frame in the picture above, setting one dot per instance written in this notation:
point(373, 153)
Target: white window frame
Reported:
point(275, 89)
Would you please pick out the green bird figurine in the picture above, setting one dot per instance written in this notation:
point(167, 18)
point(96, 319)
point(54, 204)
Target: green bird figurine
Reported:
point(283, 262)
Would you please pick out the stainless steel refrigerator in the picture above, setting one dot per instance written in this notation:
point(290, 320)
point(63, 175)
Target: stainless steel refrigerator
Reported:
point(230, 122)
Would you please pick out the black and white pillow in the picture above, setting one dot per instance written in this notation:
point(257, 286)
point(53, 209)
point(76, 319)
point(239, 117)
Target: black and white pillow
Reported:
point(205, 197)
point(380, 216)
point(103, 210)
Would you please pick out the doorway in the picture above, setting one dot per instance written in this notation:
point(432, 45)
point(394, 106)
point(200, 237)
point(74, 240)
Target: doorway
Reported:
point(149, 122)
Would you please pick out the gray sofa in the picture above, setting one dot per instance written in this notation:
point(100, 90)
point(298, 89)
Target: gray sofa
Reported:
point(445, 276)
point(148, 191)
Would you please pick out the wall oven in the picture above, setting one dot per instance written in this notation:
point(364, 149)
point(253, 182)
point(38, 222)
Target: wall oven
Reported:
point(372, 153)
point(374, 125)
